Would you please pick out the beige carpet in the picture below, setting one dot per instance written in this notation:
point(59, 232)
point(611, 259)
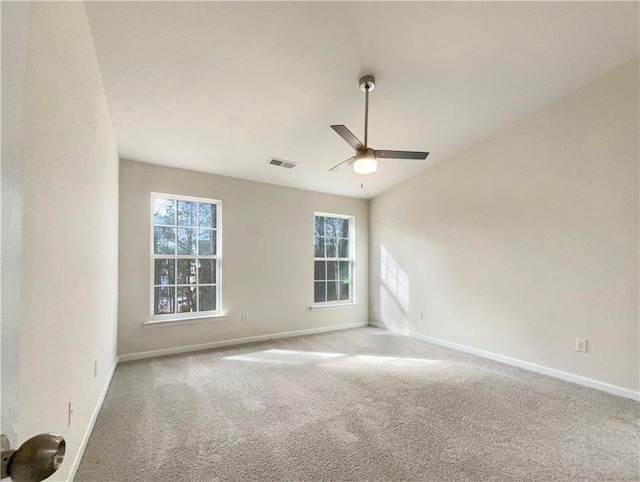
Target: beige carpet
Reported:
point(354, 405)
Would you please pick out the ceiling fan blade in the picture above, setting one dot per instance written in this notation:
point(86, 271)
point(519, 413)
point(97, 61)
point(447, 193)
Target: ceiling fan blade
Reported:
point(344, 164)
point(346, 134)
point(401, 155)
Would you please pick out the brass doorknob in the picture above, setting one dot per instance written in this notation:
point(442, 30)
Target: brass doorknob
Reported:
point(35, 460)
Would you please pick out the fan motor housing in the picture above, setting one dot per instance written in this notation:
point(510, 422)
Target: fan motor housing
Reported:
point(366, 153)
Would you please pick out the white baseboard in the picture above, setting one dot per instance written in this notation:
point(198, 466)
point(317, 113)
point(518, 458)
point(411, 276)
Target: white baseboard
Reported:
point(236, 341)
point(92, 422)
point(552, 372)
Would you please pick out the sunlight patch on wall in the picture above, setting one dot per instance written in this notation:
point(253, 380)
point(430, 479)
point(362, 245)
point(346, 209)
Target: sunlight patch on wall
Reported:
point(394, 292)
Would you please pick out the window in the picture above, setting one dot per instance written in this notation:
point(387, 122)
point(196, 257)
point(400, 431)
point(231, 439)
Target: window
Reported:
point(185, 257)
point(333, 258)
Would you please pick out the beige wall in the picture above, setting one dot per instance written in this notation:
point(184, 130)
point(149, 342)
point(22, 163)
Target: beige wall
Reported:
point(528, 239)
point(267, 258)
point(15, 52)
point(68, 299)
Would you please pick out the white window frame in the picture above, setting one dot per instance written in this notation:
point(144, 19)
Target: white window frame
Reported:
point(218, 264)
point(351, 259)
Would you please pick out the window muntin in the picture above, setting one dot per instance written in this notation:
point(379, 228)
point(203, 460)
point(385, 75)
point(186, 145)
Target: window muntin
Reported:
point(333, 258)
point(185, 252)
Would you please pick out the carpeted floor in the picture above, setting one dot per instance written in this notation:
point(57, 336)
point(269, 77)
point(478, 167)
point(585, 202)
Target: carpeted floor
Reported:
point(354, 405)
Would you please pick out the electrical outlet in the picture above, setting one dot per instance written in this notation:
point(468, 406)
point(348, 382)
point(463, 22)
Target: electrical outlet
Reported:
point(581, 345)
point(245, 317)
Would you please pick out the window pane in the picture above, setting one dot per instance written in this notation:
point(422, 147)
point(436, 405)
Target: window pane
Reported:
point(332, 278)
point(206, 242)
point(332, 291)
point(186, 299)
point(319, 247)
point(344, 271)
point(164, 240)
point(164, 272)
point(343, 248)
point(344, 290)
point(319, 295)
point(164, 301)
point(319, 226)
point(207, 298)
point(187, 213)
point(207, 271)
point(186, 241)
point(186, 272)
point(343, 227)
point(320, 271)
point(206, 215)
point(332, 270)
point(164, 211)
point(330, 228)
point(331, 247)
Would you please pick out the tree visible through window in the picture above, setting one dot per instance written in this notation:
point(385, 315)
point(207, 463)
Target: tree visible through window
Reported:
point(333, 258)
point(185, 256)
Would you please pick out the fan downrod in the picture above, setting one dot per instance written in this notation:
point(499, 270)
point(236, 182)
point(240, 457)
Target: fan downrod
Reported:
point(368, 82)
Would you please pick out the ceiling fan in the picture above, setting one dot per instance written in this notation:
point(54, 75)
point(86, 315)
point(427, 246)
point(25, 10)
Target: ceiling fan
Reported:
point(366, 159)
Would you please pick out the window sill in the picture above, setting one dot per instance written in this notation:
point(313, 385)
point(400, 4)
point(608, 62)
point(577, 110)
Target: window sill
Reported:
point(184, 321)
point(331, 307)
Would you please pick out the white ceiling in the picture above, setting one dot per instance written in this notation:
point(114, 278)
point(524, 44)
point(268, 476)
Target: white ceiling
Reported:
point(220, 87)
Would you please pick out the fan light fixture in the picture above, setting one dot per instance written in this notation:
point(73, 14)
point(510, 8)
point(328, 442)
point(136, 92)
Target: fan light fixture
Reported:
point(365, 162)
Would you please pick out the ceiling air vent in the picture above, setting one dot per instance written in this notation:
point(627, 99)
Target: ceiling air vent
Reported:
point(274, 161)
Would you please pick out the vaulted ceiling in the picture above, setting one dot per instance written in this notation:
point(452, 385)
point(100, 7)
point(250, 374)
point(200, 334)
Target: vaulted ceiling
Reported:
point(219, 87)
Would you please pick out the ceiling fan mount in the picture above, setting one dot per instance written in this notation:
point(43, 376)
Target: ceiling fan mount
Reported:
point(365, 160)
point(367, 82)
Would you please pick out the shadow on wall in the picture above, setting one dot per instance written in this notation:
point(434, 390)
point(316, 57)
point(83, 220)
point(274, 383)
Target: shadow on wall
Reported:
point(394, 292)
